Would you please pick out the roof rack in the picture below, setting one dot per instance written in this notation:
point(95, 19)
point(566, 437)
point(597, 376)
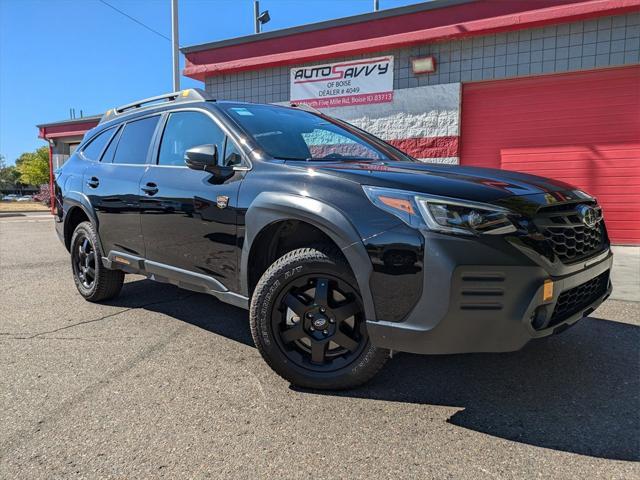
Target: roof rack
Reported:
point(304, 106)
point(188, 95)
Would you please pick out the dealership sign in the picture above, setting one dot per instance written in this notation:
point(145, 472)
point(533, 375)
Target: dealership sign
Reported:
point(355, 82)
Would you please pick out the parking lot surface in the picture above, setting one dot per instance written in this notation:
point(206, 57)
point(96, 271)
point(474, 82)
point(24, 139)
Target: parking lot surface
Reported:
point(162, 382)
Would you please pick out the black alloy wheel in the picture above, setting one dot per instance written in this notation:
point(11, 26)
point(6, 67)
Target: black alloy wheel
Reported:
point(84, 262)
point(308, 322)
point(94, 281)
point(319, 322)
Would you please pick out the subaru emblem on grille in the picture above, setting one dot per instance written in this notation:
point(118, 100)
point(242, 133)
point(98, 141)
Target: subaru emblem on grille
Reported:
point(588, 215)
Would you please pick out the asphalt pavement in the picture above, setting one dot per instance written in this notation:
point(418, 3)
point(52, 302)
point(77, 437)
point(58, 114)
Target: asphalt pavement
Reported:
point(162, 382)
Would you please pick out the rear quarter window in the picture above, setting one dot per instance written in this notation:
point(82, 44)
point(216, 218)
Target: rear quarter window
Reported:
point(107, 156)
point(96, 146)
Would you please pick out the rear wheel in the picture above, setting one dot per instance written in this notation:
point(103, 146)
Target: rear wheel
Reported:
point(308, 322)
point(93, 280)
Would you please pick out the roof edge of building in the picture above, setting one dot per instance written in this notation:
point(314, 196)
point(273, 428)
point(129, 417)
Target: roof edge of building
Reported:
point(337, 22)
point(70, 121)
point(73, 127)
point(562, 13)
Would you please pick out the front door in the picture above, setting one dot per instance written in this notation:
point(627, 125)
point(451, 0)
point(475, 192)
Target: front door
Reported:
point(189, 216)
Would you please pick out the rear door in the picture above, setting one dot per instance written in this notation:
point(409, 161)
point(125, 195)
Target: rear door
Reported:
point(112, 186)
point(189, 216)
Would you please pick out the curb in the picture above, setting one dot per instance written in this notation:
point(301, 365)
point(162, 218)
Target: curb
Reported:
point(18, 213)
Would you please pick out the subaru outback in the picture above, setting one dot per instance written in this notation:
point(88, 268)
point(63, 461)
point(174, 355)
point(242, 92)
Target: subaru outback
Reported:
point(342, 247)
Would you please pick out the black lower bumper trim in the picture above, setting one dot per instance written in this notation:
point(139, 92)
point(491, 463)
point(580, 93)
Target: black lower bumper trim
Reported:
point(578, 298)
point(441, 327)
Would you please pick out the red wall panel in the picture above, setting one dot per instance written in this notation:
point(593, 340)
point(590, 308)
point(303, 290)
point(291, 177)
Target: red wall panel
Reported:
point(582, 128)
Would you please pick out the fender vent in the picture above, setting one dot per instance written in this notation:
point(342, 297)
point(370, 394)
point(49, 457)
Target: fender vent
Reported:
point(481, 291)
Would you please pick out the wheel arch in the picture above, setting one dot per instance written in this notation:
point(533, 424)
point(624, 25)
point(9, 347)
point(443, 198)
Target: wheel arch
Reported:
point(271, 210)
point(76, 212)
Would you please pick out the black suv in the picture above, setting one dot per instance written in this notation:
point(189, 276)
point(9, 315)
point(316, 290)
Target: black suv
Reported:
point(341, 246)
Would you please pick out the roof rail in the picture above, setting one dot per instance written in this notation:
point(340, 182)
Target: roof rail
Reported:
point(304, 106)
point(188, 95)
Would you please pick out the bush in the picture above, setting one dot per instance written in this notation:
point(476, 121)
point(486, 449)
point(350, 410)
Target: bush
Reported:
point(44, 195)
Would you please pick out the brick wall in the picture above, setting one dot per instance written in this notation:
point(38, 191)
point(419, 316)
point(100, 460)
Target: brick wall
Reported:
point(604, 42)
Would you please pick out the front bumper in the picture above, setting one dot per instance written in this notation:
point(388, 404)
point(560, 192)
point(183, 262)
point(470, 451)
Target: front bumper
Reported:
point(468, 307)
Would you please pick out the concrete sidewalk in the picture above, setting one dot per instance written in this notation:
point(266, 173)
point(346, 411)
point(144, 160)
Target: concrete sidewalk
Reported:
point(626, 273)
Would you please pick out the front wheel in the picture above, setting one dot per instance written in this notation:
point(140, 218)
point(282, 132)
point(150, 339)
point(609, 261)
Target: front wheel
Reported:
point(308, 322)
point(93, 280)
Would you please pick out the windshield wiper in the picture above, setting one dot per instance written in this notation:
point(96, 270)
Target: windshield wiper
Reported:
point(343, 159)
point(337, 160)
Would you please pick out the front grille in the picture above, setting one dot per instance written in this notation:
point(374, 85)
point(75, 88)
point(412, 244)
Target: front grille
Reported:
point(574, 243)
point(572, 301)
point(570, 239)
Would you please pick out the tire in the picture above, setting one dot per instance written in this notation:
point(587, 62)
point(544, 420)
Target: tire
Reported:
point(308, 323)
point(94, 282)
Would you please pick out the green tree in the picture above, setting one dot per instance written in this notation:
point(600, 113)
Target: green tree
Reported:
point(9, 176)
point(34, 167)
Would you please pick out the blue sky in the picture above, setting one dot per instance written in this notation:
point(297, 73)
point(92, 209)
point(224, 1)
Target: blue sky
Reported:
point(59, 54)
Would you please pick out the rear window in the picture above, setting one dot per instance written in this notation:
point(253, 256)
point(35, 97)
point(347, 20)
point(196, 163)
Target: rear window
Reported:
point(96, 146)
point(134, 142)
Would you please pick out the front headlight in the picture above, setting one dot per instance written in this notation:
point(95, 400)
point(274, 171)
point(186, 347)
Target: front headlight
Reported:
point(441, 214)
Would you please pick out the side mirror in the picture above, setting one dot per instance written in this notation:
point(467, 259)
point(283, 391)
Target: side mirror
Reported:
point(205, 157)
point(201, 157)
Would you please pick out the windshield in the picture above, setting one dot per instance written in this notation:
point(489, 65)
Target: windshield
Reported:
point(289, 134)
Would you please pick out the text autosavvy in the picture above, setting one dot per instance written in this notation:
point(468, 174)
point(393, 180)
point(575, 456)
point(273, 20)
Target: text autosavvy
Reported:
point(341, 71)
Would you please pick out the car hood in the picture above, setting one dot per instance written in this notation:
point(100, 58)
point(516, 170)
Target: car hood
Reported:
point(469, 183)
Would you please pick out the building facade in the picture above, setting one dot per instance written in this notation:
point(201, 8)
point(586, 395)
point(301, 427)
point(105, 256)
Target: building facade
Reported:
point(550, 87)
point(64, 136)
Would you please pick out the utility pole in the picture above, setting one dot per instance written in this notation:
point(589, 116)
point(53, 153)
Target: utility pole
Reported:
point(376, 5)
point(174, 45)
point(259, 18)
point(256, 14)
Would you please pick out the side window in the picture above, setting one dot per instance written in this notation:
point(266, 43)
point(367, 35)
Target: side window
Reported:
point(135, 140)
point(185, 130)
point(107, 156)
point(232, 155)
point(93, 150)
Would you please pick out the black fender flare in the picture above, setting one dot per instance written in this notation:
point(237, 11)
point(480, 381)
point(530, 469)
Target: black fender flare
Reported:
point(79, 200)
point(272, 207)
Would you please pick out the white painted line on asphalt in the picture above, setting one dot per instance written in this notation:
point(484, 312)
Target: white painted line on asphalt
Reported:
point(22, 220)
point(24, 214)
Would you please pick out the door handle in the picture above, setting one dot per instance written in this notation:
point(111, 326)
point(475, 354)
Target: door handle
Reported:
point(150, 188)
point(93, 182)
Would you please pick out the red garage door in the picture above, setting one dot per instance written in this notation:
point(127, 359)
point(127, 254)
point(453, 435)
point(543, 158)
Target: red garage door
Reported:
point(582, 128)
